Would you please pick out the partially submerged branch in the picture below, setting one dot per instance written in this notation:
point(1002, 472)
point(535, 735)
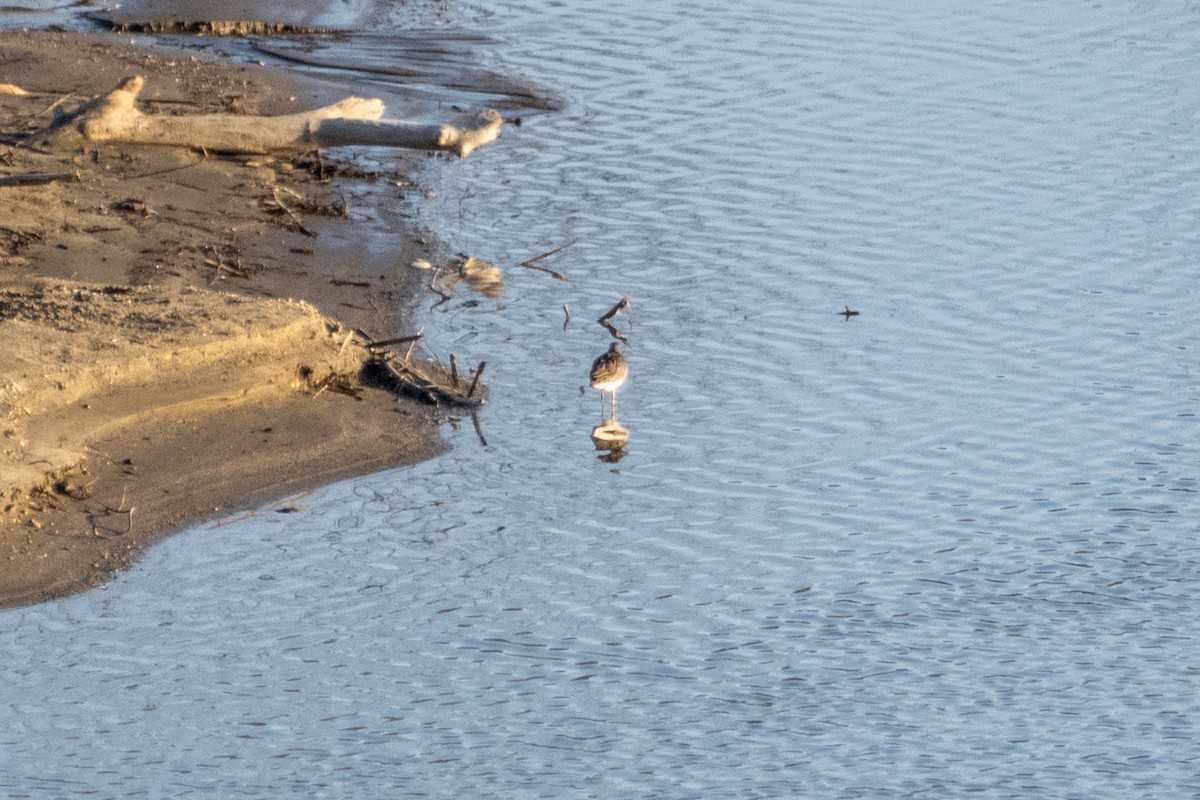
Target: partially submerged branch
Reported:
point(421, 382)
point(425, 381)
point(354, 121)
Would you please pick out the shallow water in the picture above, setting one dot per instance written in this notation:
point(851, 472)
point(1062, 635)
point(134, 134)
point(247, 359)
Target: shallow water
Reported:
point(946, 545)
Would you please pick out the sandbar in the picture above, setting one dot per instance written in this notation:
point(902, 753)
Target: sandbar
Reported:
point(174, 347)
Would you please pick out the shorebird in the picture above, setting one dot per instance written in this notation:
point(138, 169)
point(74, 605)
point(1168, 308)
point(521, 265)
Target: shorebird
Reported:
point(608, 373)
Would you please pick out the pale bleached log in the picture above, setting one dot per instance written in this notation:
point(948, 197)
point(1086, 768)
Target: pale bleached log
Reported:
point(468, 132)
point(113, 118)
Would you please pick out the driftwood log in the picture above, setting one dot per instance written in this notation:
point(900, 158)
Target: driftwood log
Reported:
point(354, 121)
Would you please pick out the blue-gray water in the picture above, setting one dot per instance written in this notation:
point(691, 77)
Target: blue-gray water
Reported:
point(948, 545)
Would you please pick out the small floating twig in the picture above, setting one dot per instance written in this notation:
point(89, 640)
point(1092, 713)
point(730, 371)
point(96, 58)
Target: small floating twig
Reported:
point(475, 381)
point(532, 262)
point(847, 313)
point(621, 305)
point(478, 429)
point(433, 287)
point(550, 272)
point(566, 316)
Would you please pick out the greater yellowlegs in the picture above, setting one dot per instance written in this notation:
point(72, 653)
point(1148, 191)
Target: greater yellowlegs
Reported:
point(608, 373)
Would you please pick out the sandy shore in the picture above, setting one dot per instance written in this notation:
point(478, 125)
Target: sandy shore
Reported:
point(175, 347)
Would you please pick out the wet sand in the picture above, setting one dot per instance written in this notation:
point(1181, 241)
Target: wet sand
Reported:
point(176, 346)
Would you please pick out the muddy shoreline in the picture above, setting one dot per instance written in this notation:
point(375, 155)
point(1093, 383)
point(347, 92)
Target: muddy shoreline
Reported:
point(172, 335)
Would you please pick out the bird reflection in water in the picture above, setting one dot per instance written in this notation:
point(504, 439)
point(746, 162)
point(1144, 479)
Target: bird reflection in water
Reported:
point(610, 438)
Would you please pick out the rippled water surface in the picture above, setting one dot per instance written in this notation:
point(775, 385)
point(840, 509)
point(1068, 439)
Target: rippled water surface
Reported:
point(947, 545)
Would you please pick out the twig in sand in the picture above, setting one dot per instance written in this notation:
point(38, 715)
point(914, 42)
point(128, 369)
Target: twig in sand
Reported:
point(104, 532)
point(336, 383)
point(454, 370)
point(376, 345)
point(37, 178)
point(221, 266)
point(413, 343)
point(282, 206)
point(54, 106)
